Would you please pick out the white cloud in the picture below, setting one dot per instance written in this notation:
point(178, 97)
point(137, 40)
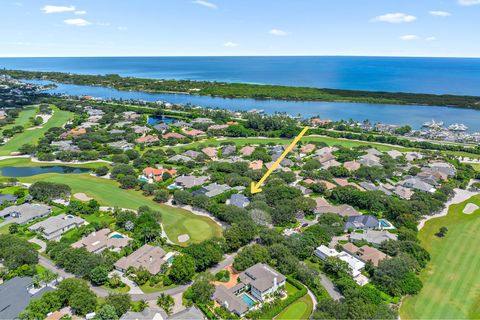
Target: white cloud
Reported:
point(467, 3)
point(230, 44)
point(394, 18)
point(440, 13)
point(77, 22)
point(409, 37)
point(206, 4)
point(57, 9)
point(121, 28)
point(278, 32)
point(80, 12)
point(431, 38)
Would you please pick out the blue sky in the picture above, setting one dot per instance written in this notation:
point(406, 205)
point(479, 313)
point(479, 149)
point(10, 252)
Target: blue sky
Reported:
point(239, 27)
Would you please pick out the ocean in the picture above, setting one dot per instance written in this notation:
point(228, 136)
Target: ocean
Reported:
point(420, 75)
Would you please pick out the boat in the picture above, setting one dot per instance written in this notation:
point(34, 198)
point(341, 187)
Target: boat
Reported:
point(433, 124)
point(458, 127)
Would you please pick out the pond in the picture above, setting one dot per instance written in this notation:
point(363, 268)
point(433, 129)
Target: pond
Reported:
point(153, 120)
point(33, 171)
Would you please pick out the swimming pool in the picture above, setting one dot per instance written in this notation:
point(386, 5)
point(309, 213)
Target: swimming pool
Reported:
point(117, 236)
point(385, 224)
point(248, 300)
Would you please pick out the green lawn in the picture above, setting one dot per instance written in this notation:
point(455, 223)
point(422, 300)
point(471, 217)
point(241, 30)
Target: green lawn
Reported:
point(124, 289)
point(176, 221)
point(26, 162)
point(146, 288)
point(32, 136)
point(451, 280)
point(300, 309)
point(23, 118)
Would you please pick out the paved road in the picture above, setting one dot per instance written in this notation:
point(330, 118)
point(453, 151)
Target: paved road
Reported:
point(330, 287)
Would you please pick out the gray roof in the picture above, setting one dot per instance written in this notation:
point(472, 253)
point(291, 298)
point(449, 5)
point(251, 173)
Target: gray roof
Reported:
point(180, 158)
point(146, 314)
point(239, 200)
point(213, 189)
point(15, 296)
point(188, 314)
point(25, 212)
point(190, 181)
point(375, 237)
point(361, 222)
point(191, 154)
point(416, 183)
point(228, 150)
point(229, 300)
point(161, 127)
point(261, 276)
point(55, 226)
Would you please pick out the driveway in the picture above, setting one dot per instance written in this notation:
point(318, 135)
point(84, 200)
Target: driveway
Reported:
point(330, 287)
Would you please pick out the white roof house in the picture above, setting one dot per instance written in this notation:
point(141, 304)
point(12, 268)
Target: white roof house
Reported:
point(355, 264)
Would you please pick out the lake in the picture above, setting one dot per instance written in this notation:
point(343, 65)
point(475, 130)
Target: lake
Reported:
point(396, 74)
point(152, 120)
point(33, 171)
point(414, 115)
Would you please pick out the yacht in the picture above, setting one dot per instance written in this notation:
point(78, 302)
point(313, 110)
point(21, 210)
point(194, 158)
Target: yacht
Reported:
point(433, 124)
point(458, 127)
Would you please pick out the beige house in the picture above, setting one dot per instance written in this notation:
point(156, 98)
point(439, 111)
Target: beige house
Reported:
point(101, 240)
point(149, 257)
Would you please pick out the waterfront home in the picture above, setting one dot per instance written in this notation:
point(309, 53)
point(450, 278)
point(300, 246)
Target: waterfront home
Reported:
point(317, 122)
point(16, 294)
point(25, 213)
point(187, 182)
point(355, 265)
point(156, 174)
point(173, 135)
point(141, 129)
point(363, 222)
point(148, 257)
point(147, 139)
point(238, 200)
point(375, 237)
point(255, 285)
point(101, 240)
point(161, 127)
point(181, 124)
point(365, 253)
point(54, 227)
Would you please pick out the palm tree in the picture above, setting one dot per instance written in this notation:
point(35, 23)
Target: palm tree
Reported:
point(166, 302)
point(142, 305)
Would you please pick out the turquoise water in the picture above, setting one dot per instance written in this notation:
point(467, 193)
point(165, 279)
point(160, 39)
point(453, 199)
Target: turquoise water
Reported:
point(421, 75)
point(414, 115)
point(156, 120)
point(117, 236)
point(247, 299)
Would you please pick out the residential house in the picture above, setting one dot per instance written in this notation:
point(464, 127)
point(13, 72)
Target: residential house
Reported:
point(141, 129)
point(212, 190)
point(173, 135)
point(161, 127)
point(148, 257)
point(364, 222)
point(188, 182)
point(229, 150)
point(218, 127)
point(394, 154)
point(370, 160)
point(344, 183)
point(122, 145)
point(352, 165)
point(76, 132)
point(25, 213)
point(156, 174)
point(417, 184)
point(317, 122)
point(189, 313)
point(356, 265)
point(402, 192)
point(65, 145)
point(192, 154)
point(54, 227)
point(7, 198)
point(375, 237)
point(16, 294)
point(101, 240)
point(447, 168)
point(210, 152)
point(179, 159)
point(247, 151)
point(412, 156)
point(365, 253)
point(181, 124)
point(202, 120)
point(255, 284)
point(256, 165)
point(194, 133)
point(131, 115)
point(343, 210)
point(147, 139)
point(238, 200)
point(308, 148)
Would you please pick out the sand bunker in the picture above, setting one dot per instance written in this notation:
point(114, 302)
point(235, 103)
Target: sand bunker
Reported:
point(82, 197)
point(183, 238)
point(470, 208)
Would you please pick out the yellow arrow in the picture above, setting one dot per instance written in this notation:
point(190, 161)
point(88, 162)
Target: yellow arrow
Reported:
point(255, 187)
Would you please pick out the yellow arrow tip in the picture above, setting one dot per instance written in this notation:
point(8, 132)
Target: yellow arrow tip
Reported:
point(254, 189)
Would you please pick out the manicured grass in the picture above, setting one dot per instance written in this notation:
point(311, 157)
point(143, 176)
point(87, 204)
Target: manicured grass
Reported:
point(300, 309)
point(451, 280)
point(146, 288)
point(124, 289)
point(4, 229)
point(476, 166)
point(23, 118)
point(26, 162)
point(32, 136)
point(107, 192)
